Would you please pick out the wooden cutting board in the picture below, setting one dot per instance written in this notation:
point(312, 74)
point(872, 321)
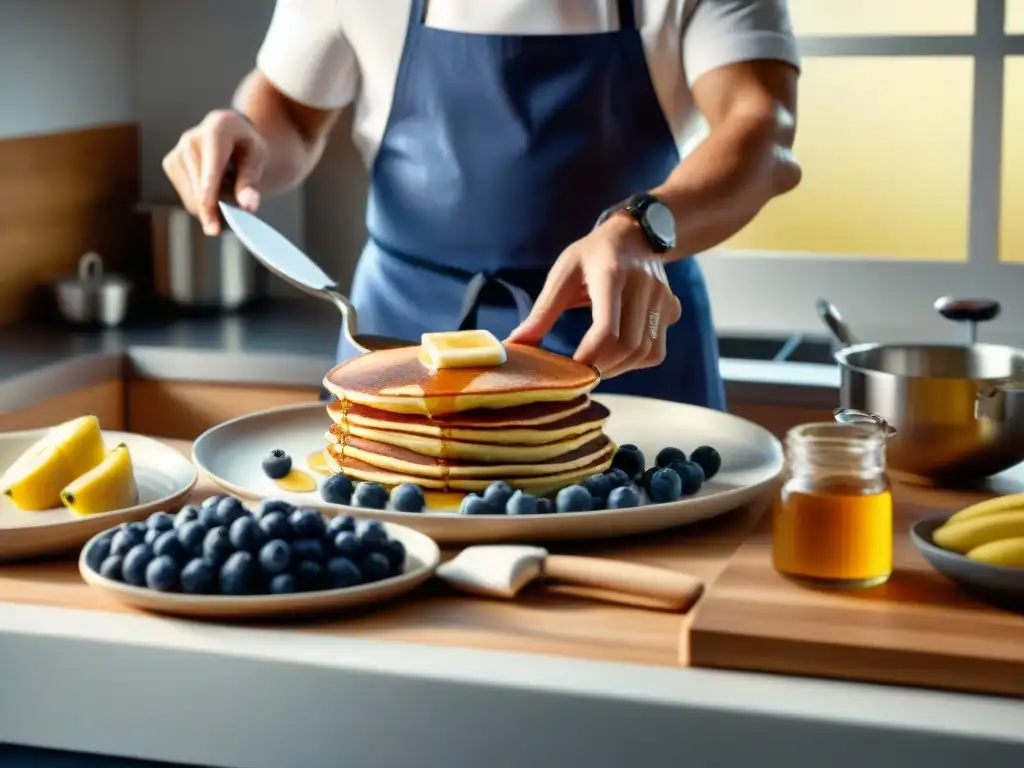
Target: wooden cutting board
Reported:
point(918, 629)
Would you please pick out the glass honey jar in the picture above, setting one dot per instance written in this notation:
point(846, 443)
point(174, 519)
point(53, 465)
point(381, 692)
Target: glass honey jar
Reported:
point(833, 515)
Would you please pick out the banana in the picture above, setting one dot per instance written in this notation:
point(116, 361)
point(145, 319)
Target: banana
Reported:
point(964, 536)
point(1005, 552)
point(989, 507)
point(108, 486)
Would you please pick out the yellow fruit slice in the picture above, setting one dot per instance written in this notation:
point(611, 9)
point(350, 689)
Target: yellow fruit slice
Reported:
point(1006, 552)
point(461, 349)
point(34, 481)
point(964, 536)
point(989, 507)
point(106, 487)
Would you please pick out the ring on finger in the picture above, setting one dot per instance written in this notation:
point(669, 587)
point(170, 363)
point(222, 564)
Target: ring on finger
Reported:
point(653, 322)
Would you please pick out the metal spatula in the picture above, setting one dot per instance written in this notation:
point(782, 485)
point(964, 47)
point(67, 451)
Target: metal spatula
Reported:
point(278, 254)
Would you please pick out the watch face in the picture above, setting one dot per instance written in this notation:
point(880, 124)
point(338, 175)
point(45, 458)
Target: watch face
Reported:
point(662, 224)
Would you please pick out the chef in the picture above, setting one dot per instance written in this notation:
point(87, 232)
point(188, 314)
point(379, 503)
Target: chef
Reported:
point(526, 173)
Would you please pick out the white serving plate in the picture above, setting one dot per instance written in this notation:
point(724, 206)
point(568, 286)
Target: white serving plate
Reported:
point(164, 478)
point(422, 557)
point(752, 459)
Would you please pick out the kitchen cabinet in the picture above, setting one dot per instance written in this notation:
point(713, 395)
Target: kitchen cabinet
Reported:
point(105, 399)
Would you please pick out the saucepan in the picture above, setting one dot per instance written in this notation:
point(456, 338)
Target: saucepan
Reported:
point(954, 412)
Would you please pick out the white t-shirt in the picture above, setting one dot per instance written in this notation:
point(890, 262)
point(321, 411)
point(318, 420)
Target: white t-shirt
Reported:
point(331, 53)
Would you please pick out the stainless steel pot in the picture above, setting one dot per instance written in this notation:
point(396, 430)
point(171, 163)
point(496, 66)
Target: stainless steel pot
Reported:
point(192, 269)
point(92, 297)
point(955, 412)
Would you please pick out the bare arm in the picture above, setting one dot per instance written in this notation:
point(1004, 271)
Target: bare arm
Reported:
point(295, 134)
point(746, 159)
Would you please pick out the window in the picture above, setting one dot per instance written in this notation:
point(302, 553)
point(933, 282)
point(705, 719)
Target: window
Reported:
point(913, 181)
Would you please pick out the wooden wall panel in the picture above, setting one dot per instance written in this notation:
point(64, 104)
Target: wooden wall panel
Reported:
point(105, 399)
point(185, 409)
point(779, 419)
point(62, 195)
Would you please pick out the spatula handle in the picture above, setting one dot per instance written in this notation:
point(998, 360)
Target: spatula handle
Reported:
point(669, 587)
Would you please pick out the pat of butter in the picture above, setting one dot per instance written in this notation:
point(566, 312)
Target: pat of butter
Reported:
point(461, 349)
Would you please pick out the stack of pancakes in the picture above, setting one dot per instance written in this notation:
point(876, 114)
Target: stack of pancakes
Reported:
point(528, 421)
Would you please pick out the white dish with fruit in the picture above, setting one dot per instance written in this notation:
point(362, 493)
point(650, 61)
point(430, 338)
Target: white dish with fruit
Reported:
point(238, 453)
point(223, 560)
point(60, 486)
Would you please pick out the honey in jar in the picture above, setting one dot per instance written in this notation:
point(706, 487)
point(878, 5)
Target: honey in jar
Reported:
point(832, 519)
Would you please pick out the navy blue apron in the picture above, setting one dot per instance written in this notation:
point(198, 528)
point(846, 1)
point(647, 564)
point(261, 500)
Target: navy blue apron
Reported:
point(499, 152)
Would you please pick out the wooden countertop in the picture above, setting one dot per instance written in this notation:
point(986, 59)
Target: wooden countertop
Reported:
point(542, 620)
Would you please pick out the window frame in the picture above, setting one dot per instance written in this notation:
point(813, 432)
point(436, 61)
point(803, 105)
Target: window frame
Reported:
point(886, 299)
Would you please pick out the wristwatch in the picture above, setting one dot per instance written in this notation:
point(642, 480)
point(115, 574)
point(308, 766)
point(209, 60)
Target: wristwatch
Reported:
point(654, 217)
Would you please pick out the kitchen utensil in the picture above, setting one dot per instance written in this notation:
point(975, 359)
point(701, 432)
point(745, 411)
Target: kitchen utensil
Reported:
point(502, 571)
point(994, 584)
point(956, 412)
point(284, 259)
point(421, 558)
point(163, 475)
point(231, 454)
point(92, 296)
point(841, 333)
point(192, 269)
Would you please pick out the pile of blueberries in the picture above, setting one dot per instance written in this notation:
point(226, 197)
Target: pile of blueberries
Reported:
point(220, 547)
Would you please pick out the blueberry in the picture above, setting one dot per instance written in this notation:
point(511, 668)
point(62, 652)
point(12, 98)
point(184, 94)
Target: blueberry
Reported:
point(371, 533)
point(169, 544)
point(307, 524)
point(497, 494)
point(370, 496)
point(246, 535)
point(408, 497)
point(217, 546)
point(598, 504)
point(545, 506)
point(645, 481)
point(394, 551)
point(208, 516)
point(277, 464)
point(472, 504)
point(667, 456)
point(282, 584)
point(151, 536)
point(275, 557)
point(308, 549)
point(308, 575)
point(623, 498)
point(160, 521)
point(375, 567)
point(521, 504)
point(97, 553)
point(691, 475)
point(192, 535)
point(139, 527)
point(708, 459)
point(210, 501)
point(276, 526)
point(347, 544)
point(666, 486)
point(337, 489)
point(598, 485)
point(229, 510)
point(340, 523)
point(343, 573)
point(274, 505)
point(162, 574)
point(186, 514)
point(238, 574)
point(574, 498)
point(617, 477)
point(198, 578)
point(124, 539)
point(110, 568)
point(134, 568)
point(630, 460)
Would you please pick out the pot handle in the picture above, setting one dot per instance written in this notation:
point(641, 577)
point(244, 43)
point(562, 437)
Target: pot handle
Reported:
point(90, 268)
point(860, 418)
point(972, 311)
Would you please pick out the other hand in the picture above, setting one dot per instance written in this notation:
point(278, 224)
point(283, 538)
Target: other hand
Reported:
point(197, 164)
point(614, 271)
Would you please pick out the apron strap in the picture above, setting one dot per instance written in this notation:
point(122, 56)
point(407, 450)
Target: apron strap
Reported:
point(627, 14)
point(417, 12)
point(474, 295)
